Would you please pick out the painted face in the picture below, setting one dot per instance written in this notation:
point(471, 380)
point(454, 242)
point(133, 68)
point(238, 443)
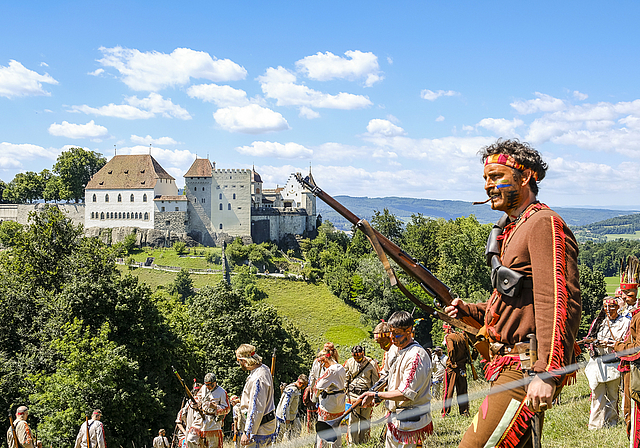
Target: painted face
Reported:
point(401, 336)
point(383, 340)
point(630, 296)
point(358, 356)
point(501, 186)
point(612, 310)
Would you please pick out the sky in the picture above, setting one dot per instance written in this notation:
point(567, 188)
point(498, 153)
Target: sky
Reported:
point(376, 98)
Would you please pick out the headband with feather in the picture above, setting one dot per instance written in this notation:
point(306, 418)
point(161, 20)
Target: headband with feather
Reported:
point(629, 273)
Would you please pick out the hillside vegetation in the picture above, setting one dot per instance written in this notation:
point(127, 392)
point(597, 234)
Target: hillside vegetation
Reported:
point(627, 227)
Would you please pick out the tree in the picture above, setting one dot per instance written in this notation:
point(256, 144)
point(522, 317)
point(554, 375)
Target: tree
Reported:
point(180, 247)
point(8, 232)
point(129, 243)
point(593, 288)
point(182, 285)
point(75, 168)
point(25, 187)
point(53, 189)
point(387, 224)
point(420, 240)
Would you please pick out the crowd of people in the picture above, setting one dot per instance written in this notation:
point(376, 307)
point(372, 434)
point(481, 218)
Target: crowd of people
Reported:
point(526, 333)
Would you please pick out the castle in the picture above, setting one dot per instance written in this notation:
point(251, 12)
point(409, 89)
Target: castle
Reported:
point(217, 204)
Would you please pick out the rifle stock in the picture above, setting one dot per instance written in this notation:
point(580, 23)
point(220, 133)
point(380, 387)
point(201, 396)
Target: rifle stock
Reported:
point(189, 394)
point(13, 431)
point(432, 286)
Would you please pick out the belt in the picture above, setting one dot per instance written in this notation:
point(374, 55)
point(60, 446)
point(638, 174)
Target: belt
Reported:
point(324, 394)
point(266, 418)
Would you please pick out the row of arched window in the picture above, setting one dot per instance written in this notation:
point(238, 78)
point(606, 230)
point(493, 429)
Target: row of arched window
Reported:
point(131, 198)
point(120, 215)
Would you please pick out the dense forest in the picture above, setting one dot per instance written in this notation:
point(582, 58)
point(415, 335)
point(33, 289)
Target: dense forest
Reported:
point(76, 334)
point(618, 225)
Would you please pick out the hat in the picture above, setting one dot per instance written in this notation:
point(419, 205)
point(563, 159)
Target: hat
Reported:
point(97, 412)
point(629, 273)
point(233, 398)
point(210, 378)
point(610, 301)
point(21, 410)
point(357, 349)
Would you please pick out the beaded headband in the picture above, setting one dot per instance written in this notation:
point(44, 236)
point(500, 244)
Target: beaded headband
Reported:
point(507, 160)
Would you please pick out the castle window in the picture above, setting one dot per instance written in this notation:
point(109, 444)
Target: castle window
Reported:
point(195, 200)
point(91, 215)
point(106, 198)
point(202, 188)
point(102, 215)
point(144, 197)
point(220, 226)
point(220, 196)
point(177, 209)
point(131, 198)
point(257, 190)
point(127, 215)
point(136, 215)
point(146, 216)
point(234, 195)
point(167, 223)
point(119, 198)
point(94, 198)
point(195, 188)
point(228, 206)
point(119, 215)
point(162, 209)
point(203, 200)
point(220, 206)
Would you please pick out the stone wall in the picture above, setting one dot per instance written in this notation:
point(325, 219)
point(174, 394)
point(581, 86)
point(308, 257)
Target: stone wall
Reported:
point(175, 222)
point(144, 237)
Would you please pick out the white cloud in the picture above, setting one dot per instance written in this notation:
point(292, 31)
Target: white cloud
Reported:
point(384, 128)
point(580, 96)
point(182, 158)
point(544, 103)
point(328, 66)
point(17, 80)
point(162, 141)
point(440, 118)
point(154, 71)
point(97, 72)
point(430, 95)
point(275, 149)
point(72, 130)
point(252, 119)
point(308, 113)
point(12, 155)
point(138, 108)
point(221, 96)
point(279, 84)
point(501, 126)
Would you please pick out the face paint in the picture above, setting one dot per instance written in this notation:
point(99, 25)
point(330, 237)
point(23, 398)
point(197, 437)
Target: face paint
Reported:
point(504, 186)
point(512, 199)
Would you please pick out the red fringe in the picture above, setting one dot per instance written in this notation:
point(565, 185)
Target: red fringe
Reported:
point(493, 368)
point(570, 379)
point(516, 430)
point(556, 357)
point(327, 416)
point(410, 437)
point(412, 372)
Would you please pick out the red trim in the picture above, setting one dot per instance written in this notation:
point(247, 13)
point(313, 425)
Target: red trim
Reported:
point(493, 368)
point(410, 437)
point(519, 425)
point(558, 336)
point(412, 372)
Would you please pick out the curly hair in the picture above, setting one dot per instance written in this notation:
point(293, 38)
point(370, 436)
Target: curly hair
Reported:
point(523, 153)
point(248, 353)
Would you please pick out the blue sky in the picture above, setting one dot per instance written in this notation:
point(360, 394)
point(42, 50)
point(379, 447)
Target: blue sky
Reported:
point(380, 98)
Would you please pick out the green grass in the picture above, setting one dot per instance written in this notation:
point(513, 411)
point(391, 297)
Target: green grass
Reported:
point(624, 236)
point(612, 284)
point(169, 257)
point(317, 313)
point(155, 278)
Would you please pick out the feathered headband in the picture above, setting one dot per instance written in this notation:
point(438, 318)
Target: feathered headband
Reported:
point(629, 273)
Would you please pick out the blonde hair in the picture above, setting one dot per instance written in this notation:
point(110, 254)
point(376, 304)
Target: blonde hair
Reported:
point(248, 353)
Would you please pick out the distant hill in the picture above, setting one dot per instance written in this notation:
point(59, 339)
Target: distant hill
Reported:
point(403, 208)
point(626, 226)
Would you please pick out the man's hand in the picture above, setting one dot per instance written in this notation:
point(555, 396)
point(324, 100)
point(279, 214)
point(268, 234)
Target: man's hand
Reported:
point(539, 392)
point(457, 305)
point(244, 440)
point(367, 399)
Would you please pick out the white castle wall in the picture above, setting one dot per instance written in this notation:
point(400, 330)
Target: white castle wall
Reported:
point(102, 209)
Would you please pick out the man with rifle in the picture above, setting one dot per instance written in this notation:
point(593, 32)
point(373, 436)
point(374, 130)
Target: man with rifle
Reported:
point(408, 395)
point(455, 378)
point(533, 256)
point(19, 430)
point(93, 431)
point(362, 373)
point(214, 404)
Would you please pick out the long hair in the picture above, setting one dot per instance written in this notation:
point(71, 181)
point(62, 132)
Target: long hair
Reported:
point(248, 353)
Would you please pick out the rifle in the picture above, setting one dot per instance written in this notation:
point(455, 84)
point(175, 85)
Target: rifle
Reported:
point(13, 431)
point(86, 421)
point(190, 395)
point(273, 362)
point(429, 283)
point(537, 419)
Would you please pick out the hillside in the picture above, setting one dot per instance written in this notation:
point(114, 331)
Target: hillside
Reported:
point(403, 208)
point(626, 226)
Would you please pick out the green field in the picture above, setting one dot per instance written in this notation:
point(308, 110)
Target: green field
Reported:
point(624, 236)
point(314, 310)
point(612, 284)
point(168, 257)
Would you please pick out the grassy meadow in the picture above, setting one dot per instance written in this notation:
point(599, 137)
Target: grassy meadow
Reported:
point(612, 284)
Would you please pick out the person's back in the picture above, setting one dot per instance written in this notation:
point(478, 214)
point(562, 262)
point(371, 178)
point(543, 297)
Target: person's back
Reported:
point(96, 432)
